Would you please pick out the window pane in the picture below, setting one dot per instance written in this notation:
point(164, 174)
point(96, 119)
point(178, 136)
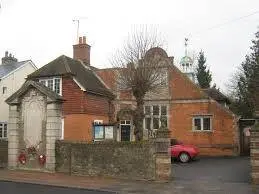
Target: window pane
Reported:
point(206, 123)
point(148, 123)
point(197, 124)
point(164, 121)
point(155, 110)
point(50, 84)
point(127, 122)
point(5, 130)
point(147, 110)
point(98, 132)
point(1, 133)
point(163, 110)
point(43, 82)
point(122, 122)
point(155, 123)
point(57, 86)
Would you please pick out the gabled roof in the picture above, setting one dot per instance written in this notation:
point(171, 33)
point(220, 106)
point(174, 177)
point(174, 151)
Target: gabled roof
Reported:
point(53, 96)
point(64, 65)
point(5, 69)
point(216, 95)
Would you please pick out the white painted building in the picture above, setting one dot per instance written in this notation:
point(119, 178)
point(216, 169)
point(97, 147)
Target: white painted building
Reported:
point(12, 75)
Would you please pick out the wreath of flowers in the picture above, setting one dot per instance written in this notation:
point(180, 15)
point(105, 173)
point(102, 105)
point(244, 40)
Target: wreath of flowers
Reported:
point(42, 159)
point(22, 158)
point(29, 152)
point(32, 151)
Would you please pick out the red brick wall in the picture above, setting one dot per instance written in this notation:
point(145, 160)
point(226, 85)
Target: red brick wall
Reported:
point(217, 142)
point(79, 126)
point(108, 76)
point(182, 87)
point(78, 101)
point(80, 109)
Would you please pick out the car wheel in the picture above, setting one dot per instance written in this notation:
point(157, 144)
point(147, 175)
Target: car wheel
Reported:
point(184, 157)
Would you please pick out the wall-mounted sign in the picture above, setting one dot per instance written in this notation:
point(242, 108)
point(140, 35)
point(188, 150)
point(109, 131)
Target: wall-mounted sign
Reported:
point(98, 132)
point(109, 132)
point(247, 131)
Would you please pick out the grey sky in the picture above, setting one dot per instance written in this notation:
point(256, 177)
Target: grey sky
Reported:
point(42, 30)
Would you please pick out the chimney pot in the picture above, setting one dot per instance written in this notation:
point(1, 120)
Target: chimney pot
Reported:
point(81, 51)
point(80, 40)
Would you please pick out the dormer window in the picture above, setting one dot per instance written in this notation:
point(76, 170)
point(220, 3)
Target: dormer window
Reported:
point(52, 83)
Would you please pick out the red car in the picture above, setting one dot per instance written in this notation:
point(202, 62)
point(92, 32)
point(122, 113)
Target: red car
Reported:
point(184, 153)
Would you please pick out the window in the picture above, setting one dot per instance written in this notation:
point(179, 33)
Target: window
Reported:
point(202, 123)
point(4, 90)
point(155, 110)
point(3, 130)
point(52, 83)
point(98, 122)
point(147, 110)
point(153, 115)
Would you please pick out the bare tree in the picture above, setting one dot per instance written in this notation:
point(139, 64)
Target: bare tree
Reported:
point(139, 69)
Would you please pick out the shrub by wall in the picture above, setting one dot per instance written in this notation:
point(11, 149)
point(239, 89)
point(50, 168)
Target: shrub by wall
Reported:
point(133, 160)
point(3, 153)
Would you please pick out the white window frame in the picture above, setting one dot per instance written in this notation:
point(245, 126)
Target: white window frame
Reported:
point(45, 80)
point(201, 118)
point(2, 129)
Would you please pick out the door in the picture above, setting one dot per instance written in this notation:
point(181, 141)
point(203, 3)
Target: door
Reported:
point(125, 132)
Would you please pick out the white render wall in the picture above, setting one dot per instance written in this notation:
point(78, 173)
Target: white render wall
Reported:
point(13, 82)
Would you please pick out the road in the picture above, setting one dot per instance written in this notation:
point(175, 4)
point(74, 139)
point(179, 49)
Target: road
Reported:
point(25, 188)
point(214, 175)
point(232, 169)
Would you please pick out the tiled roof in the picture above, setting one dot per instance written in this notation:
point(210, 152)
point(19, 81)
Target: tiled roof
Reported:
point(64, 65)
point(216, 95)
point(7, 68)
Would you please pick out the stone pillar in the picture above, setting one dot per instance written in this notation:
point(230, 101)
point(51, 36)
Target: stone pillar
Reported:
point(53, 131)
point(254, 153)
point(13, 136)
point(163, 158)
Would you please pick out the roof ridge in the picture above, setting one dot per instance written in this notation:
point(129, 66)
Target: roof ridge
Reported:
point(67, 67)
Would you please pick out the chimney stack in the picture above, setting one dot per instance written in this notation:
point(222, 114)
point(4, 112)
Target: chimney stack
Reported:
point(7, 59)
point(81, 51)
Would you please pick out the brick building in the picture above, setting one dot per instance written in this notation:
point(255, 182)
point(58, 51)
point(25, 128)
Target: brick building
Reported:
point(194, 116)
point(86, 97)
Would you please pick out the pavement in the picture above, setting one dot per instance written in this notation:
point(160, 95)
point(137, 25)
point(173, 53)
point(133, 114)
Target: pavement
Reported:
point(211, 175)
point(26, 188)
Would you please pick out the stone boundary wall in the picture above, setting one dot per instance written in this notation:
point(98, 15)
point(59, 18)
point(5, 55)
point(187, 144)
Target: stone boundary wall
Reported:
point(254, 154)
point(3, 153)
point(129, 160)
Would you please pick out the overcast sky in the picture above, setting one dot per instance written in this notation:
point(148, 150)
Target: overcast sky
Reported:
point(42, 30)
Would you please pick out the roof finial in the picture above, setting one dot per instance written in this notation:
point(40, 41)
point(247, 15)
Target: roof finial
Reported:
point(186, 44)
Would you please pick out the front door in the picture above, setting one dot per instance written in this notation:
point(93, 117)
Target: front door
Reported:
point(125, 132)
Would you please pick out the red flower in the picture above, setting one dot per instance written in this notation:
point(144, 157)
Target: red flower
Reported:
point(22, 158)
point(42, 159)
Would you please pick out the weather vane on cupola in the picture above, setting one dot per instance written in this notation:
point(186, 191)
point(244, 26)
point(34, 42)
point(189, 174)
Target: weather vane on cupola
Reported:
point(187, 62)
